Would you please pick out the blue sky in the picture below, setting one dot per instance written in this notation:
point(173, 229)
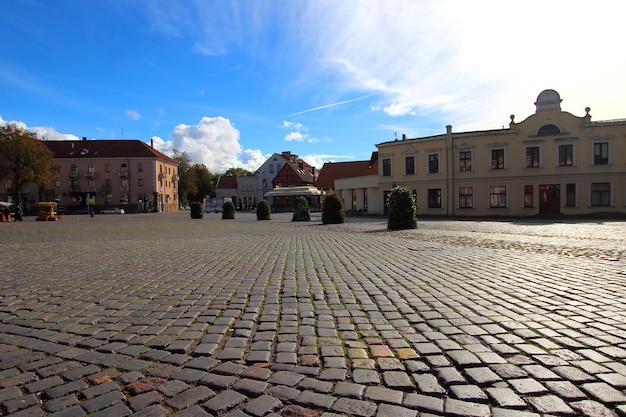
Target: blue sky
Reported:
point(231, 82)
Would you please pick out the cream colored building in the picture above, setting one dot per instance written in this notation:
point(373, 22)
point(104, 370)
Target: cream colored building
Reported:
point(551, 163)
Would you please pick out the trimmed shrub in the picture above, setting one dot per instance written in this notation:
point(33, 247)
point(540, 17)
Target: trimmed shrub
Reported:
point(402, 209)
point(332, 210)
point(263, 211)
point(228, 210)
point(301, 210)
point(196, 210)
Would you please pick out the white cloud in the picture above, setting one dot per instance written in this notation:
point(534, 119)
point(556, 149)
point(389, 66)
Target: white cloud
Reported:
point(214, 142)
point(132, 114)
point(293, 125)
point(294, 137)
point(43, 133)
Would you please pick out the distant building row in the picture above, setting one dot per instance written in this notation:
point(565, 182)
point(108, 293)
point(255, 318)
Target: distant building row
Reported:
point(550, 163)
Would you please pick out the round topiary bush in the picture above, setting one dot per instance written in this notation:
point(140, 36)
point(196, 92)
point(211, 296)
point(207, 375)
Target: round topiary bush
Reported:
point(196, 210)
point(332, 210)
point(301, 210)
point(228, 210)
point(402, 209)
point(263, 211)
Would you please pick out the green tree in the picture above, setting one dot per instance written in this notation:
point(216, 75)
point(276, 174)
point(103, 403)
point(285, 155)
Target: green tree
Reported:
point(201, 182)
point(301, 210)
point(24, 160)
point(238, 172)
point(332, 210)
point(402, 210)
point(185, 184)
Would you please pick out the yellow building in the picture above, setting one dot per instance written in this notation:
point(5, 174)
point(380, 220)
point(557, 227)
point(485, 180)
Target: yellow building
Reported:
point(551, 163)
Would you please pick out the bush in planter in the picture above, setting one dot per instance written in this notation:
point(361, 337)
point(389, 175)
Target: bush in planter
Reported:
point(263, 211)
point(301, 210)
point(196, 210)
point(332, 210)
point(228, 210)
point(402, 209)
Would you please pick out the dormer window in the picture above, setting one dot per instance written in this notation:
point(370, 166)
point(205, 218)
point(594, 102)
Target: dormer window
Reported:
point(548, 129)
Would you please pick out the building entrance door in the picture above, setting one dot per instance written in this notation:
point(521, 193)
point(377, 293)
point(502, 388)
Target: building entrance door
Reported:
point(550, 199)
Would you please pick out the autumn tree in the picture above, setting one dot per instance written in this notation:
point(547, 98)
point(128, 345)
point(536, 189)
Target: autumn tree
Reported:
point(24, 160)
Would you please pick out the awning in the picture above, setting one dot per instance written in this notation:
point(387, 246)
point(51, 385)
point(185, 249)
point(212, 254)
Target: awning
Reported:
point(294, 191)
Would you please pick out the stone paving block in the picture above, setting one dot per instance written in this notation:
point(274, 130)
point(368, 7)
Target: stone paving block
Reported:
point(16, 404)
point(604, 393)
point(262, 405)
point(505, 397)
point(469, 393)
point(158, 411)
point(355, 408)
point(144, 400)
point(464, 408)
point(389, 410)
point(224, 401)
point(103, 401)
point(317, 400)
point(382, 394)
point(550, 404)
point(66, 402)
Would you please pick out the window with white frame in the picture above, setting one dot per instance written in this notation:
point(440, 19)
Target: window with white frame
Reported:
point(566, 155)
point(601, 153)
point(433, 163)
point(465, 160)
point(601, 194)
point(532, 157)
point(497, 158)
point(466, 197)
point(387, 167)
point(409, 165)
point(497, 196)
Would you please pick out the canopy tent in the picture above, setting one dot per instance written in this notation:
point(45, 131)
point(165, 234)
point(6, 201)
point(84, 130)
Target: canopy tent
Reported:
point(306, 191)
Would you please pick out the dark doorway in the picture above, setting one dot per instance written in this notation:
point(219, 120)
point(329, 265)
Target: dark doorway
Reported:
point(549, 199)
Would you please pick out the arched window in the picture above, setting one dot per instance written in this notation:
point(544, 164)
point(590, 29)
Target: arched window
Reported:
point(548, 129)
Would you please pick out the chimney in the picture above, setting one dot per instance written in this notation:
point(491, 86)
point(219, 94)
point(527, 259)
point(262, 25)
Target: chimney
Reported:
point(151, 143)
point(84, 138)
point(404, 136)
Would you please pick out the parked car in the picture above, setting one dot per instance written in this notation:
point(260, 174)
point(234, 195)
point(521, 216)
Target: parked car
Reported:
point(112, 211)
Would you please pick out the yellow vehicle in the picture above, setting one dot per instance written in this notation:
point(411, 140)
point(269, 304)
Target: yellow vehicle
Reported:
point(47, 211)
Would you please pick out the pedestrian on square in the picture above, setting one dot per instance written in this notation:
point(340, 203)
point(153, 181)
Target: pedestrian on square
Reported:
point(18, 213)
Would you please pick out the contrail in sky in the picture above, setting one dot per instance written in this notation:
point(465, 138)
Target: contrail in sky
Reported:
point(328, 105)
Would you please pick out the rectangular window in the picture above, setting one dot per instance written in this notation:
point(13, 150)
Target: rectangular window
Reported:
point(570, 195)
point(386, 167)
point(271, 168)
point(140, 182)
point(601, 194)
point(528, 196)
point(566, 155)
point(466, 197)
point(601, 153)
point(532, 157)
point(497, 159)
point(434, 198)
point(409, 165)
point(139, 167)
point(107, 168)
point(497, 196)
point(465, 160)
point(433, 163)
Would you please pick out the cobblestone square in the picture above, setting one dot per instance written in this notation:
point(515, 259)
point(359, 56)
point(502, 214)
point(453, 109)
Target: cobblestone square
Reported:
point(158, 314)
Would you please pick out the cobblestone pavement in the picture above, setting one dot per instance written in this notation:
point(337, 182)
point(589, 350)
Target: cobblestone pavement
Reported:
point(157, 315)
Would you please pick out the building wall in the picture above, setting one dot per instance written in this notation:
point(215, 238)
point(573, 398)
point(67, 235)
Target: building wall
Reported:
point(135, 184)
point(359, 193)
point(542, 165)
